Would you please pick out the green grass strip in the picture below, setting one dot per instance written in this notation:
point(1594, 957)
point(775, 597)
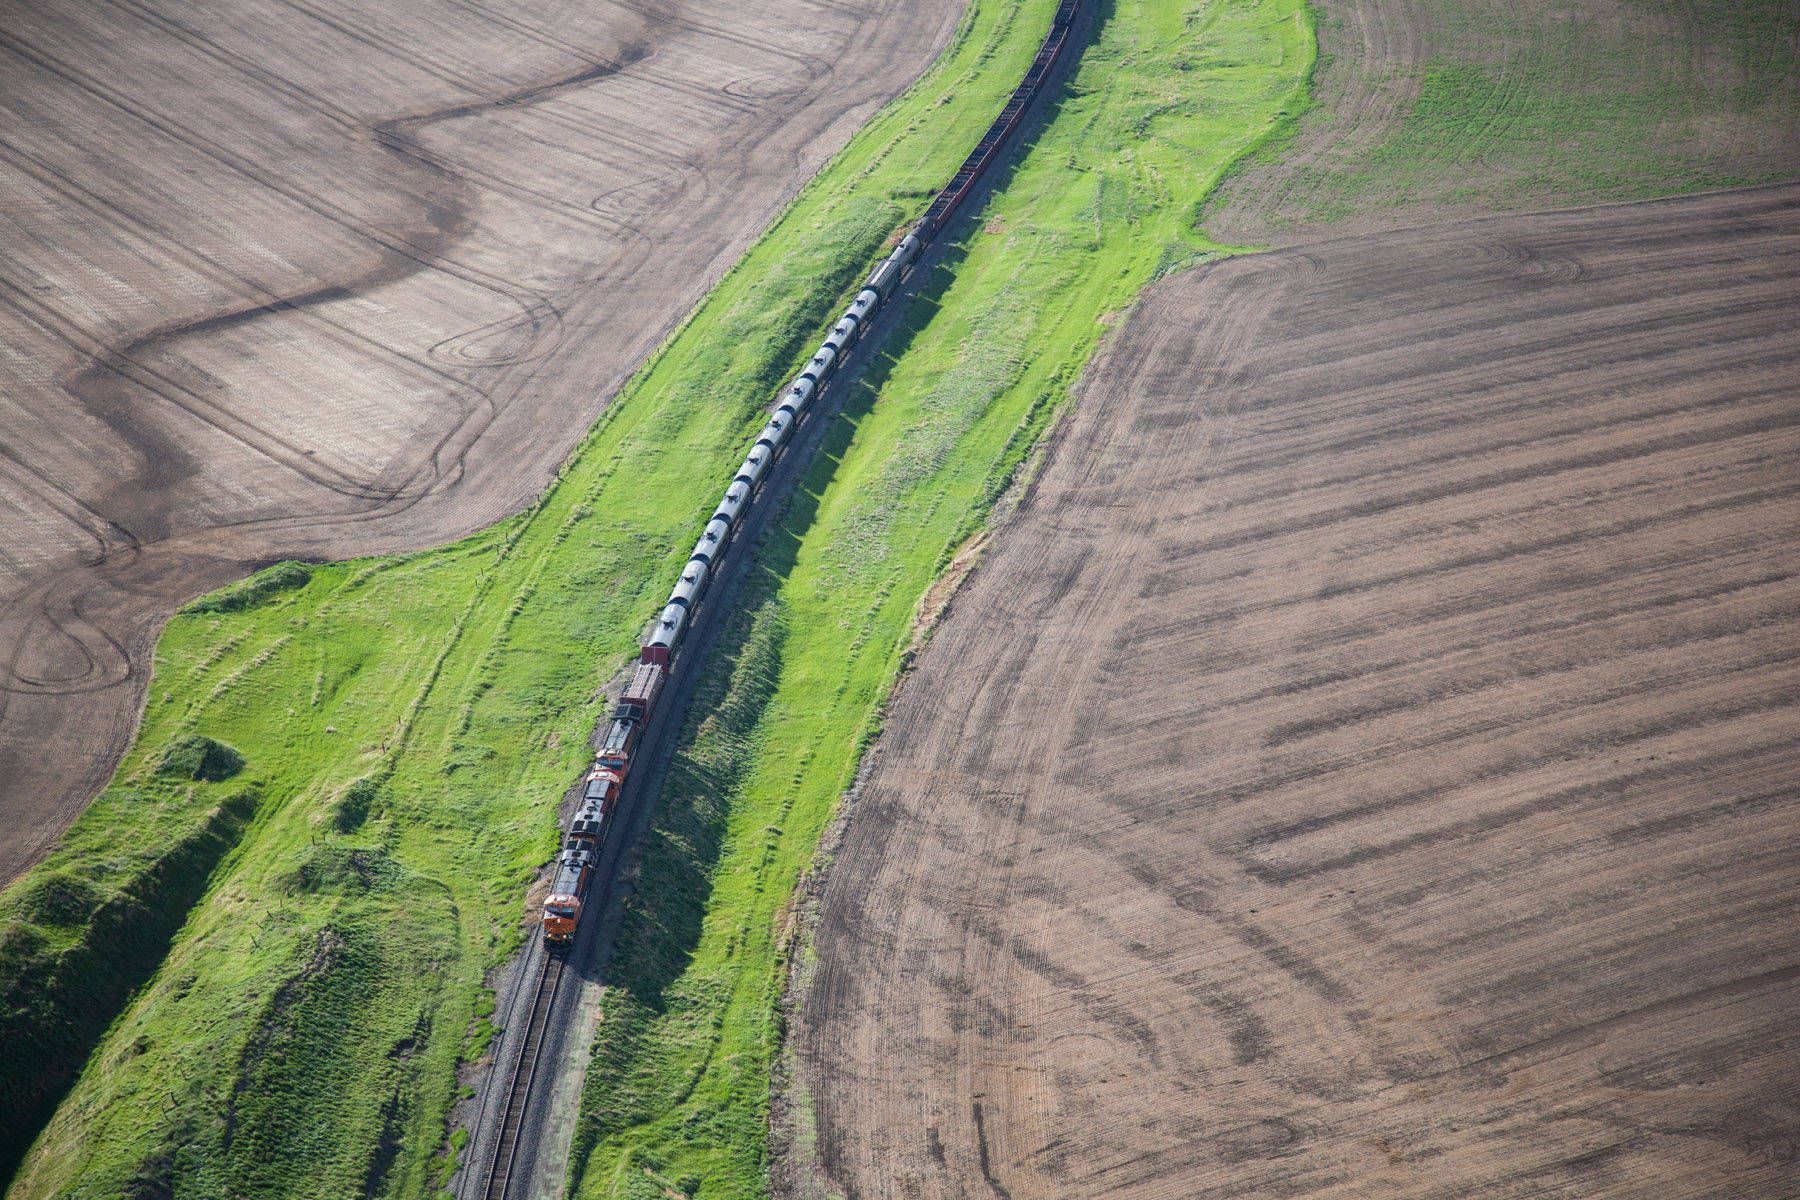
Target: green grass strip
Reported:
point(677, 1097)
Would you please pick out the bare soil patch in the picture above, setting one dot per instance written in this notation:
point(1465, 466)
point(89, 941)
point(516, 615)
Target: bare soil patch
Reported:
point(1366, 765)
point(302, 278)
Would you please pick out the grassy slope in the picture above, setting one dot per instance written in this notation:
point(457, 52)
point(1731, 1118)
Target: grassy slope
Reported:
point(408, 725)
point(678, 1093)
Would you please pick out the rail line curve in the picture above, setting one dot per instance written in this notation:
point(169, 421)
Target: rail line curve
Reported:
point(597, 814)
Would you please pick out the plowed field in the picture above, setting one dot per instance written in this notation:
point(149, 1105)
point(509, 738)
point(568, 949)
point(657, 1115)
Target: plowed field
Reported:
point(313, 279)
point(1367, 762)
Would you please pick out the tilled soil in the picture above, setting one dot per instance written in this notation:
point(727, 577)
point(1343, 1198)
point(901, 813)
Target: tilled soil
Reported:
point(1367, 763)
point(305, 278)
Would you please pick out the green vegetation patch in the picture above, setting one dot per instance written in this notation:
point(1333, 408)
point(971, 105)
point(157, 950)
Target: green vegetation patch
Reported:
point(1535, 104)
point(677, 1095)
point(192, 756)
point(289, 1116)
point(349, 869)
point(60, 898)
point(355, 804)
point(282, 577)
point(78, 937)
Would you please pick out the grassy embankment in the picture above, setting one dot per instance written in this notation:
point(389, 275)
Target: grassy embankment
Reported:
point(406, 726)
point(677, 1097)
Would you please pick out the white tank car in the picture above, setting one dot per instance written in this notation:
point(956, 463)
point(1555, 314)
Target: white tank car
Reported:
point(672, 623)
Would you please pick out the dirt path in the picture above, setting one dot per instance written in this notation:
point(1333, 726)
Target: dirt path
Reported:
point(1366, 765)
point(295, 278)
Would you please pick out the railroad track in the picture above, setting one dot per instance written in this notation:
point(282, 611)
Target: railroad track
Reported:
point(518, 1094)
point(601, 791)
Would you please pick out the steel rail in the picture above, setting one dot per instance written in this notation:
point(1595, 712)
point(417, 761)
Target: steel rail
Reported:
point(505, 1151)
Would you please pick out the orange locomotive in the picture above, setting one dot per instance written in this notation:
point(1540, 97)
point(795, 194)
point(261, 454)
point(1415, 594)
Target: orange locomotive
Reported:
point(580, 856)
point(593, 821)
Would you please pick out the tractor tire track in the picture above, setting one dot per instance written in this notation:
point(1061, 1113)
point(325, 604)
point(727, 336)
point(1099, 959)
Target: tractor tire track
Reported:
point(1365, 763)
point(324, 303)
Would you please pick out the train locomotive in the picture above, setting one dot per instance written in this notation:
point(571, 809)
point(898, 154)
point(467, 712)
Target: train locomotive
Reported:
point(597, 813)
point(598, 810)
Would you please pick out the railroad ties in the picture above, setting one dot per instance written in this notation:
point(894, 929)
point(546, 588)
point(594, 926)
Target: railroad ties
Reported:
point(944, 207)
point(518, 1095)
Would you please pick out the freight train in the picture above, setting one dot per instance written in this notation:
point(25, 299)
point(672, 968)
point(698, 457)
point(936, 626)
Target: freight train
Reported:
point(598, 812)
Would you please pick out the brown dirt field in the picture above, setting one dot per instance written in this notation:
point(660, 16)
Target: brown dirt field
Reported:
point(1367, 765)
point(301, 278)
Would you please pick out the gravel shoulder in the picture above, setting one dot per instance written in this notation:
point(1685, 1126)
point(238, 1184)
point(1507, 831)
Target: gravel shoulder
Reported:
point(1365, 763)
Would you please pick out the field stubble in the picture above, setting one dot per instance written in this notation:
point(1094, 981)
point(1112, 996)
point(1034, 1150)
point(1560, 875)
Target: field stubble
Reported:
point(1427, 109)
point(1148, 888)
point(1365, 765)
